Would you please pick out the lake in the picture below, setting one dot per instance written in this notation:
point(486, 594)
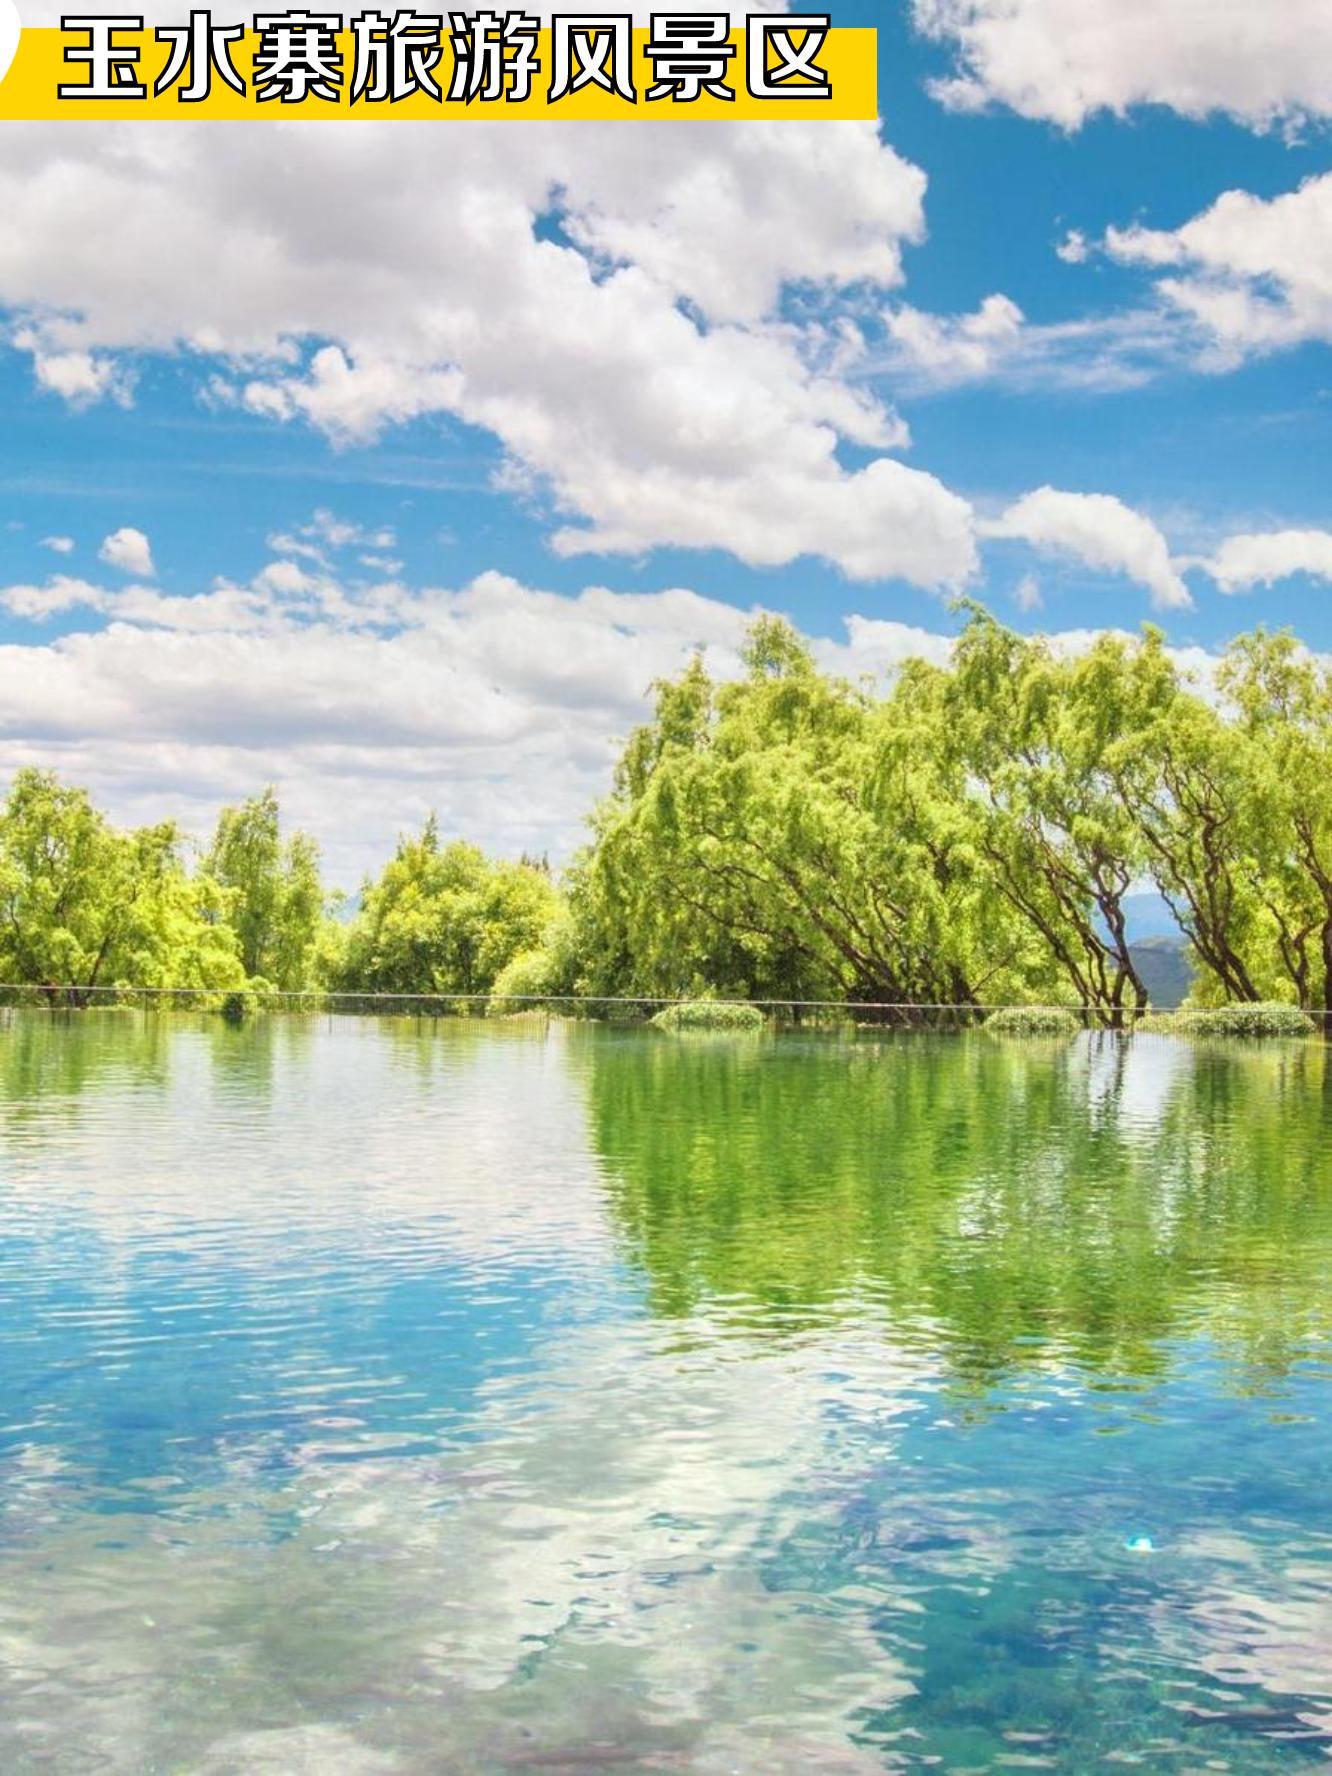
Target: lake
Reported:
point(396, 1396)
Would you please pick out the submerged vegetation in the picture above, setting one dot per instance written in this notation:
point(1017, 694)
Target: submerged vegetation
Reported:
point(1033, 1020)
point(1245, 1020)
point(709, 1014)
point(968, 836)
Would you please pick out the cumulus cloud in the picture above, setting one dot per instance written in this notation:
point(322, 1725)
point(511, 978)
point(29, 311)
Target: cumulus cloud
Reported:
point(327, 534)
point(1263, 558)
point(997, 343)
point(498, 704)
point(373, 702)
point(1254, 274)
point(59, 545)
point(128, 550)
point(1063, 61)
point(640, 362)
point(82, 378)
point(1102, 533)
point(957, 345)
point(60, 593)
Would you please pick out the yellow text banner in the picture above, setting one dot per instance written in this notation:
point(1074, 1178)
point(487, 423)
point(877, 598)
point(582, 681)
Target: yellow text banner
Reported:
point(101, 73)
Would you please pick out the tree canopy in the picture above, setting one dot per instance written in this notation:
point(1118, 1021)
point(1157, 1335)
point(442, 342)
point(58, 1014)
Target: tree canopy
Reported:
point(968, 833)
point(86, 907)
point(444, 918)
point(275, 900)
point(973, 833)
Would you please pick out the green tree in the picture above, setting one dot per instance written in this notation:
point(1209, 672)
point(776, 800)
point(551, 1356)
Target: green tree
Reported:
point(790, 836)
point(84, 906)
point(1284, 705)
point(1186, 782)
point(276, 899)
point(446, 919)
point(1044, 740)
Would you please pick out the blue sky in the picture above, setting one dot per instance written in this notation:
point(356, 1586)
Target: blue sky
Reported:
point(1023, 346)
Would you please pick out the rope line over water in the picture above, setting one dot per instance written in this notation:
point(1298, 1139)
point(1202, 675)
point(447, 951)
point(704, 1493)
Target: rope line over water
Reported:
point(72, 995)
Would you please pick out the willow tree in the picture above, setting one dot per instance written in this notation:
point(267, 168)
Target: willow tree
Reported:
point(1044, 740)
point(1284, 707)
point(85, 907)
point(787, 835)
point(446, 919)
point(275, 897)
point(1185, 775)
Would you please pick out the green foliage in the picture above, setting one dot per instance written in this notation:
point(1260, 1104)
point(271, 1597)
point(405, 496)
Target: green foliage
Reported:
point(276, 899)
point(540, 977)
point(446, 919)
point(969, 834)
point(524, 980)
point(710, 1014)
point(1248, 1020)
point(974, 833)
point(1041, 736)
point(88, 907)
point(791, 837)
point(1033, 1020)
point(237, 1007)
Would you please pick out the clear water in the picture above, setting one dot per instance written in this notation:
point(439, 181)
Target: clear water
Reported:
point(379, 1396)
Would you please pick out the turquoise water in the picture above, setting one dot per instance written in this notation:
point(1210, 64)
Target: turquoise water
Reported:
point(385, 1396)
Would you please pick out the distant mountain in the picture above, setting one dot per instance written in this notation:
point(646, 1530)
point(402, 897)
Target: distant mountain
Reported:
point(1149, 917)
point(1159, 949)
point(1163, 964)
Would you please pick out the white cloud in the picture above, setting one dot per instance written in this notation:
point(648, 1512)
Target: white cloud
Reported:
point(128, 550)
point(1027, 594)
point(996, 343)
point(1102, 533)
point(1263, 558)
point(285, 578)
point(372, 703)
point(10, 27)
point(500, 705)
point(640, 367)
point(1255, 274)
point(957, 345)
point(1098, 353)
point(59, 545)
point(60, 593)
point(327, 534)
point(79, 377)
point(876, 647)
point(1263, 62)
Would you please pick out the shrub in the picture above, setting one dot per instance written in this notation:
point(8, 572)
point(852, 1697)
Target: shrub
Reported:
point(1250, 1020)
point(236, 1007)
point(1033, 1020)
point(242, 1003)
point(523, 983)
point(709, 1014)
